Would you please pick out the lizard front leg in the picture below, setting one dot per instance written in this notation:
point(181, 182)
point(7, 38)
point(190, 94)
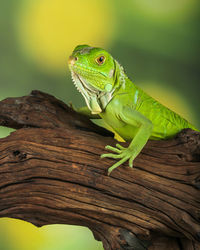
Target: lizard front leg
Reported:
point(145, 126)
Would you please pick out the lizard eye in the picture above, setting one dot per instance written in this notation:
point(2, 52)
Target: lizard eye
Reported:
point(100, 60)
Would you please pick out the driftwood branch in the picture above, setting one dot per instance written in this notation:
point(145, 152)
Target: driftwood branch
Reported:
point(51, 172)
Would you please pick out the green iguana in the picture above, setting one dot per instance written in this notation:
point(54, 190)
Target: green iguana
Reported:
point(121, 106)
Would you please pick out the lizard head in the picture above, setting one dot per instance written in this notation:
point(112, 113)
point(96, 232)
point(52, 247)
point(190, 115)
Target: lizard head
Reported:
point(94, 74)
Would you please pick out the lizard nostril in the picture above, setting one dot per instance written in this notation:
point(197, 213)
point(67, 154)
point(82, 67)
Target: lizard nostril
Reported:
point(72, 60)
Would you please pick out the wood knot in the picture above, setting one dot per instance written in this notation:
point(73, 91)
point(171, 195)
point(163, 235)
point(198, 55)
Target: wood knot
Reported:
point(19, 155)
point(130, 241)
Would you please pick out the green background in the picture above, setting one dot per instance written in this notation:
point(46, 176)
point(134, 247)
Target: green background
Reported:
point(156, 41)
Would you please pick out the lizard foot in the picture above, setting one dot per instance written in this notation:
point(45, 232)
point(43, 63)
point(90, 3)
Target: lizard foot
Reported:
point(121, 152)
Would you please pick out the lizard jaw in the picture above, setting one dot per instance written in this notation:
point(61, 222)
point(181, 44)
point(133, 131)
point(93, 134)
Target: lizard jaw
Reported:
point(89, 93)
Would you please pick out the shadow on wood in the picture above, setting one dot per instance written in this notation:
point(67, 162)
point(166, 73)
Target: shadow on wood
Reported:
point(51, 173)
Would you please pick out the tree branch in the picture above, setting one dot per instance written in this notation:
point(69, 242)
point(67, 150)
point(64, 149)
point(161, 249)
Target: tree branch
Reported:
point(51, 172)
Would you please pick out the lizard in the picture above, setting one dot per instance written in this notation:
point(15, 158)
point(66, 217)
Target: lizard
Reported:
point(117, 104)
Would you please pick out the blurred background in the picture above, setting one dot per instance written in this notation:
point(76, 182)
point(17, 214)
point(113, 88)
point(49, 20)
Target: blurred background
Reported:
point(156, 41)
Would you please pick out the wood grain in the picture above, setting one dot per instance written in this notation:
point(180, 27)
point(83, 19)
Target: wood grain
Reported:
point(51, 173)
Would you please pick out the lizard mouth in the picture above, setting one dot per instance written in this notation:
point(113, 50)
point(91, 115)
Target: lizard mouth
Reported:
point(81, 84)
point(90, 94)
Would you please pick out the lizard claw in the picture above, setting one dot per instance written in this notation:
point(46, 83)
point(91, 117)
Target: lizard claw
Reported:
point(117, 165)
point(114, 156)
point(121, 152)
point(131, 162)
point(116, 150)
point(120, 147)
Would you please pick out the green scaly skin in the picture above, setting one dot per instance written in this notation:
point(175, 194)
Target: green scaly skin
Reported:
point(121, 106)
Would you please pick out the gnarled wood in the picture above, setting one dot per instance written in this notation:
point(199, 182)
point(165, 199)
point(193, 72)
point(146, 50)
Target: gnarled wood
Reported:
point(51, 172)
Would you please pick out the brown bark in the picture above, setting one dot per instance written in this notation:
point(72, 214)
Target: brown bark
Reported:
point(51, 172)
